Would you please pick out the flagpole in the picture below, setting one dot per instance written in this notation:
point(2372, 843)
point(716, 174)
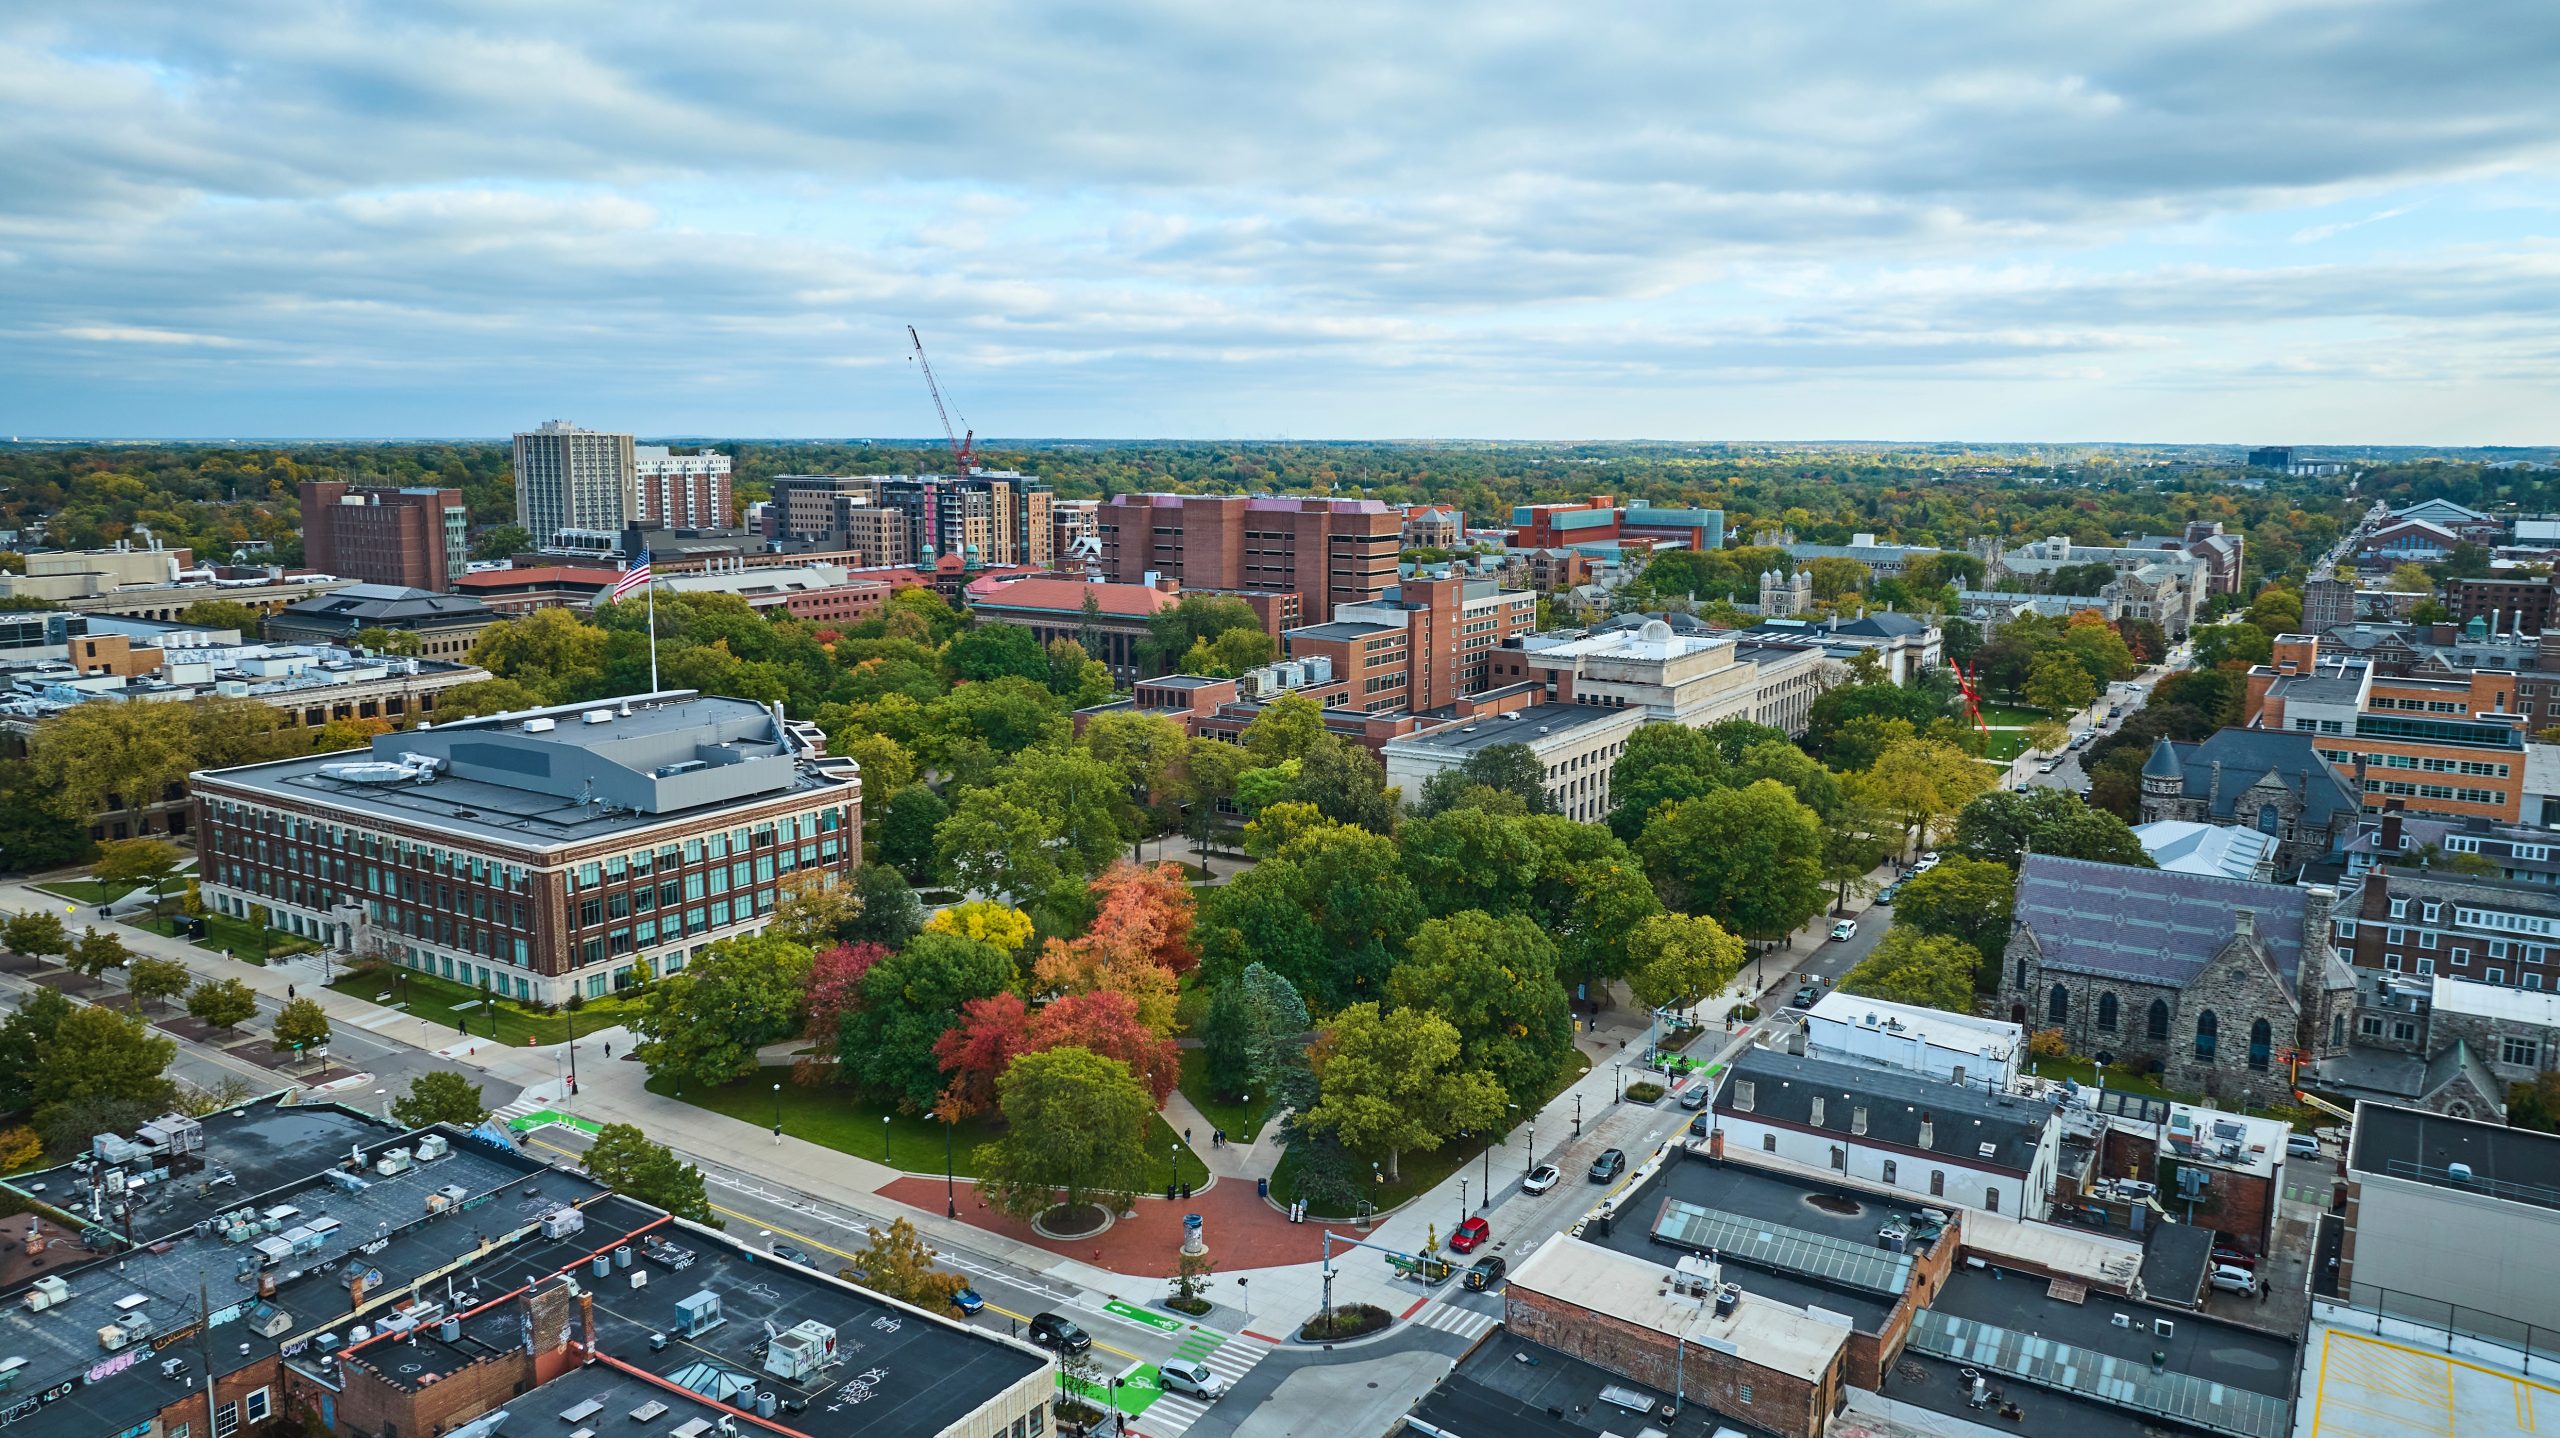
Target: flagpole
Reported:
point(653, 635)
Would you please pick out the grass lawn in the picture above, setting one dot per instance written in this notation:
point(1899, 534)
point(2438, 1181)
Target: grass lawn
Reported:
point(88, 891)
point(842, 1119)
point(442, 1001)
point(221, 932)
point(1241, 1121)
point(1998, 714)
point(1419, 1173)
point(2005, 744)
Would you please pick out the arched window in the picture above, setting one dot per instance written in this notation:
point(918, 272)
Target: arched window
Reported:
point(2262, 1045)
point(2057, 1005)
point(2207, 1028)
point(2270, 822)
point(1991, 1200)
point(2160, 1021)
point(2107, 1013)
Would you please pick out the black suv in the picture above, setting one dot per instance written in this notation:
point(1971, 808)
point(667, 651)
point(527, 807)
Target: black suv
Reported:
point(1486, 1272)
point(1051, 1331)
point(1608, 1165)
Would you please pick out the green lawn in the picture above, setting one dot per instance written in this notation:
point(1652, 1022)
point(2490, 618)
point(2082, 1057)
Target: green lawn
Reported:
point(239, 936)
point(2005, 744)
point(1241, 1120)
point(2010, 714)
point(1419, 1173)
point(453, 1005)
point(841, 1119)
point(88, 891)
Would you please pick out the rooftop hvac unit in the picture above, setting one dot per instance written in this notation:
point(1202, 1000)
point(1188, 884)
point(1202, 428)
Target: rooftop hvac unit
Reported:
point(434, 1146)
point(540, 726)
point(274, 1323)
point(698, 1313)
point(596, 716)
point(1319, 668)
point(46, 1293)
point(800, 1350)
point(394, 1161)
point(563, 1221)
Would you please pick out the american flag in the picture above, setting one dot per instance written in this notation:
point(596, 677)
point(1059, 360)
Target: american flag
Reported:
point(637, 576)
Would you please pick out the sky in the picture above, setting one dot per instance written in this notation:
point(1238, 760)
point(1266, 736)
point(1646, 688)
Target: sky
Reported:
point(2241, 221)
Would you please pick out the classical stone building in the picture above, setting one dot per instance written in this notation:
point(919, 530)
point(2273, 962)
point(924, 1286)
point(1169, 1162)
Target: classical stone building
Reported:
point(2275, 783)
point(2208, 981)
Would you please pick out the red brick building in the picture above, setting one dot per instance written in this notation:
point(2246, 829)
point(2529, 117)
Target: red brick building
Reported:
point(412, 538)
point(1329, 552)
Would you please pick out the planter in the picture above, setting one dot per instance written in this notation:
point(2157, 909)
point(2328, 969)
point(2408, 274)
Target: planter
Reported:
point(1643, 1093)
point(1351, 1321)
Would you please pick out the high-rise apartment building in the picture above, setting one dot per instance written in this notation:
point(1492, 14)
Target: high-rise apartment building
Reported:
point(681, 491)
point(1329, 552)
point(412, 538)
point(572, 478)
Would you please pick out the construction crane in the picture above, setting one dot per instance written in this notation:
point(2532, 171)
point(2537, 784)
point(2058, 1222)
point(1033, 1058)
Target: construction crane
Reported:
point(962, 447)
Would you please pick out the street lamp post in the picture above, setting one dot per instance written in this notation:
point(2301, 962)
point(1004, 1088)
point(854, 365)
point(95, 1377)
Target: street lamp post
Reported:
point(950, 1184)
point(1172, 1167)
point(1462, 1198)
point(884, 1139)
point(777, 1114)
point(1577, 1115)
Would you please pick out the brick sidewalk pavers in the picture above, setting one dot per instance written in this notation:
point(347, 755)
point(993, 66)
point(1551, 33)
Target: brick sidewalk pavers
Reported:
point(1242, 1231)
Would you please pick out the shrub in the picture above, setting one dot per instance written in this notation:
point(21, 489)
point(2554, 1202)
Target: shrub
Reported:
point(2048, 1044)
point(1644, 1093)
point(1745, 1013)
point(1348, 1322)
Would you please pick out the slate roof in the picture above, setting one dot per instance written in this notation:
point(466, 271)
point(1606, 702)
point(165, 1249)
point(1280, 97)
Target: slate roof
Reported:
point(1890, 624)
point(2149, 925)
point(2247, 755)
point(1785, 1085)
point(387, 604)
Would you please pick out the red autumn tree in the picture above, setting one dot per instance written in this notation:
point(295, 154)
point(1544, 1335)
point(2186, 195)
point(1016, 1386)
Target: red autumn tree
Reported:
point(835, 986)
point(991, 1034)
point(1108, 1024)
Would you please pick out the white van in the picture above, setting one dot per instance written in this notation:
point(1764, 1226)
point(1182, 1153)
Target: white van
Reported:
point(2232, 1279)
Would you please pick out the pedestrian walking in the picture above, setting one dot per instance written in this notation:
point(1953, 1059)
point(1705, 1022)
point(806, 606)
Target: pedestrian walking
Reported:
point(288, 991)
point(608, 1050)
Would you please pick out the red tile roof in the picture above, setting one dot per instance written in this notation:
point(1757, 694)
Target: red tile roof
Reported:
point(1067, 596)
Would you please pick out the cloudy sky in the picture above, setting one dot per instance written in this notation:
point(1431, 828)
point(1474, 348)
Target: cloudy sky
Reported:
point(2332, 221)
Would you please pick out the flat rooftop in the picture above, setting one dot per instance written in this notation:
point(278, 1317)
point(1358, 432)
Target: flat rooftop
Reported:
point(1509, 1387)
point(1760, 1331)
point(2417, 1146)
point(1774, 1198)
point(1520, 726)
point(265, 1145)
point(899, 1373)
point(2199, 1347)
point(2359, 1384)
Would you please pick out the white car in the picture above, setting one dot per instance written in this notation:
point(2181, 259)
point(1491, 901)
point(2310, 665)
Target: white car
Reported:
point(1845, 929)
point(1181, 1375)
point(1540, 1179)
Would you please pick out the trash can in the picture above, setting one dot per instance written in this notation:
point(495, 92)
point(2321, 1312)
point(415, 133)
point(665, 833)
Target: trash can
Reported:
point(1262, 1188)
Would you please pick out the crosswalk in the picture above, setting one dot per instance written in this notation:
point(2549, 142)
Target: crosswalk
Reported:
point(1230, 1358)
point(518, 1109)
point(1450, 1318)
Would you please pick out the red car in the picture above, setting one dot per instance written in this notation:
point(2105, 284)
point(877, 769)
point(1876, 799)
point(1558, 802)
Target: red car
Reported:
point(1468, 1235)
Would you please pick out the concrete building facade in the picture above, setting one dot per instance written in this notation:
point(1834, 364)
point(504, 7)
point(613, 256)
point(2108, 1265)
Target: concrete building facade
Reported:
point(569, 478)
point(1931, 1138)
point(680, 491)
point(1576, 746)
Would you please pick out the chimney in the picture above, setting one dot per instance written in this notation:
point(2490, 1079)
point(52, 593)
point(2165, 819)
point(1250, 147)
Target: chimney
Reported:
point(1928, 1132)
point(2244, 923)
point(2213, 792)
point(2393, 841)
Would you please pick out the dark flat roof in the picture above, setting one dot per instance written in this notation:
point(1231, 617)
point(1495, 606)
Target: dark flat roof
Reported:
point(1509, 1387)
point(1757, 1193)
point(2417, 1146)
point(1519, 726)
point(264, 1144)
point(2201, 1347)
point(2175, 1258)
point(901, 1374)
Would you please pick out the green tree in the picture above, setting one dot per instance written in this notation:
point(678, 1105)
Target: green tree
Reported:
point(1196, 617)
point(1075, 1132)
point(1504, 768)
point(2219, 644)
point(96, 1053)
point(909, 1000)
point(378, 640)
point(905, 832)
point(151, 980)
point(991, 651)
point(1923, 783)
point(221, 614)
point(703, 1024)
point(1346, 785)
point(1329, 912)
point(483, 697)
point(98, 951)
point(1287, 728)
point(2410, 579)
point(1749, 858)
point(1910, 967)
point(1058, 816)
point(1078, 679)
point(22, 1035)
point(550, 651)
point(440, 1096)
point(1676, 960)
point(885, 911)
point(33, 836)
point(138, 861)
point(2058, 684)
point(624, 1159)
point(91, 753)
point(1963, 899)
point(898, 1262)
point(1835, 577)
point(36, 933)
point(2276, 610)
point(222, 1003)
point(1494, 980)
point(2003, 824)
point(501, 541)
point(1388, 1082)
point(1662, 764)
point(302, 1026)
point(1254, 1036)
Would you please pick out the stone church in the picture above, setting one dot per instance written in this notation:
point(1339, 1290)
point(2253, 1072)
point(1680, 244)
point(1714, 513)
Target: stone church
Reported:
point(2215, 984)
point(2267, 780)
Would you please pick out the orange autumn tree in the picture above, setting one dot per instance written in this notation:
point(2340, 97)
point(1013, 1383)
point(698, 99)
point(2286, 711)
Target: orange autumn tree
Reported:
point(1140, 941)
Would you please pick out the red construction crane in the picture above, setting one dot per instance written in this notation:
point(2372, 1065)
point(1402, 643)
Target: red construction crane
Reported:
point(961, 446)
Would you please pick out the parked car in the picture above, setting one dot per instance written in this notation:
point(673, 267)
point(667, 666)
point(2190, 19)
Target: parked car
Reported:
point(2048, 766)
point(1844, 930)
point(1487, 1271)
point(968, 1302)
point(1469, 1235)
point(788, 1254)
point(1050, 1330)
point(1929, 858)
point(2301, 1145)
point(1806, 997)
point(1540, 1179)
point(1608, 1165)
point(1887, 894)
point(1694, 1097)
point(1182, 1375)
point(2233, 1258)
point(2229, 1278)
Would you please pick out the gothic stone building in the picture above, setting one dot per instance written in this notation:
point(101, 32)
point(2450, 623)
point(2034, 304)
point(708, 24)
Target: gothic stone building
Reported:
point(2270, 781)
point(2206, 980)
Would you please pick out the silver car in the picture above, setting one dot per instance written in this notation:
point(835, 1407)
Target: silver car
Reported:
point(1540, 1179)
point(1182, 1375)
